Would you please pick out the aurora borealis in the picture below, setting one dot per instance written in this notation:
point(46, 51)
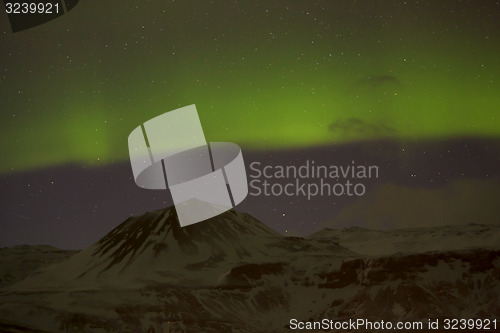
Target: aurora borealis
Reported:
point(410, 86)
point(262, 74)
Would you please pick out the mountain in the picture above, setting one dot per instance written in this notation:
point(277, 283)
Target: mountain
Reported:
point(233, 274)
point(443, 238)
point(155, 243)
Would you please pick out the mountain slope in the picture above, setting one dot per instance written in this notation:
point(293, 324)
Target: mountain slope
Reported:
point(154, 248)
point(443, 238)
point(155, 243)
point(20, 261)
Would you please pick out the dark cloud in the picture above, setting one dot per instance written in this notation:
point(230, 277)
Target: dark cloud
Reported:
point(358, 127)
point(375, 84)
point(378, 80)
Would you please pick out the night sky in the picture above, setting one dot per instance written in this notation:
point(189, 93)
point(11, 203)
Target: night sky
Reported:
point(411, 86)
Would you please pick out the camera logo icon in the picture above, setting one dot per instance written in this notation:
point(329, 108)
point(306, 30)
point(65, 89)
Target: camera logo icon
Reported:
point(170, 152)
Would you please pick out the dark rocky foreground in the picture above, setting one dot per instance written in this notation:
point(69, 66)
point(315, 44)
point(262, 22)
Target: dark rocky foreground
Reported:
point(233, 274)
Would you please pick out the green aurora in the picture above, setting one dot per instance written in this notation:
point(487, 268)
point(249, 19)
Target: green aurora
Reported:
point(262, 75)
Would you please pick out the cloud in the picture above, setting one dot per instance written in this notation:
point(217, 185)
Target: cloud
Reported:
point(357, 127)
point(394, 206)
point(375, 84)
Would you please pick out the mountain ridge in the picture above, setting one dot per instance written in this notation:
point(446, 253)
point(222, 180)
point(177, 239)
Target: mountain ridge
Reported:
point(155, 243)
point(366, 241)
point(234, 274)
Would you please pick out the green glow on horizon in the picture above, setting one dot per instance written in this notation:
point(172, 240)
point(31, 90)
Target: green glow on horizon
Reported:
point(254, 91)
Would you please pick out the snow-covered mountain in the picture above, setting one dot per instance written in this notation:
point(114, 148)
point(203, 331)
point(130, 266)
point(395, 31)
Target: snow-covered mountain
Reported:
point(444, 238)
point(155, 243)
point(153, 248)
point(234, 274)
point(20, 261)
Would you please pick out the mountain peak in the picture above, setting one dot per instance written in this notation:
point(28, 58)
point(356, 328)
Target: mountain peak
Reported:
point(159, 231)
point(154, 247)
